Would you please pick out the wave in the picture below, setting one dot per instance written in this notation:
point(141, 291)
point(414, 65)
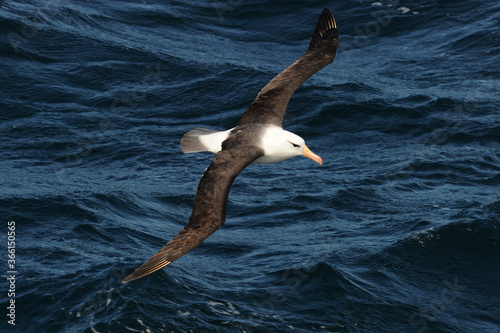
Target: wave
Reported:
point(476, 237)
point(446, 251)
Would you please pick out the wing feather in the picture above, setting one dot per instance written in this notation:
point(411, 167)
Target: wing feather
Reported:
point(270, 104)
point(209, 208)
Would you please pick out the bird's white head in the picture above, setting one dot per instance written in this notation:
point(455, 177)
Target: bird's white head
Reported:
point(280, 145)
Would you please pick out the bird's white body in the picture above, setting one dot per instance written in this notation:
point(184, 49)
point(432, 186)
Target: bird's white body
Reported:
point(278, 144)
point(213, 141)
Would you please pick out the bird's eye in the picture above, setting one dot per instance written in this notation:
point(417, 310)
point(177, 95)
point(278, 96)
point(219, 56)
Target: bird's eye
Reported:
point(294, 145)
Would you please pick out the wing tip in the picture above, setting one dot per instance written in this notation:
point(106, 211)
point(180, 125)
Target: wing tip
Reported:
point(147, 268)
point(327, 19)
point(325, 34)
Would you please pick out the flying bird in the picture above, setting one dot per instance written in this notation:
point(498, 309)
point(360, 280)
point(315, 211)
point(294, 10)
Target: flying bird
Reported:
point(258, 137)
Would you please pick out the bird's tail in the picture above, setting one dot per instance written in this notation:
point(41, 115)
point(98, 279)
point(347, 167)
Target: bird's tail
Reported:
point(202, 139)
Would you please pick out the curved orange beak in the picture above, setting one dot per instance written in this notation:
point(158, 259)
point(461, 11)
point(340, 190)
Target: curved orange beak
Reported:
point(308, 153)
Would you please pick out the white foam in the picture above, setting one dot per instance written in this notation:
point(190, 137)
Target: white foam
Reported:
point(184, 314)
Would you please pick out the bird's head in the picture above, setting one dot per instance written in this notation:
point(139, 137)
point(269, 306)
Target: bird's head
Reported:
point(280, 145)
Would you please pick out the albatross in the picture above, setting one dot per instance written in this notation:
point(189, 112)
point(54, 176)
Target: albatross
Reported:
point(258, 137)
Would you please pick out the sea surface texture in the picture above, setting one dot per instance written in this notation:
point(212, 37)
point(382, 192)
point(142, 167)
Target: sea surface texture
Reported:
point(398, 230)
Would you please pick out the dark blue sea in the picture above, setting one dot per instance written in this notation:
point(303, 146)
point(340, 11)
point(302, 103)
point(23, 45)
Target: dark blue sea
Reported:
point(398, 230)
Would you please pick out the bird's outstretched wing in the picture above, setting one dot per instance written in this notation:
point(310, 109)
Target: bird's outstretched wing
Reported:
point(270, 104)
point(209, 208)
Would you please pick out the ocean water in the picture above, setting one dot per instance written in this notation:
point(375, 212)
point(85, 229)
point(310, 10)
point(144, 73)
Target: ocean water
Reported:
point(398, 230)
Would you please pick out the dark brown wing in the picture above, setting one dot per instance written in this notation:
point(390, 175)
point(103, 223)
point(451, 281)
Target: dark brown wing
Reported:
point(270, 104)
point(209, 208)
